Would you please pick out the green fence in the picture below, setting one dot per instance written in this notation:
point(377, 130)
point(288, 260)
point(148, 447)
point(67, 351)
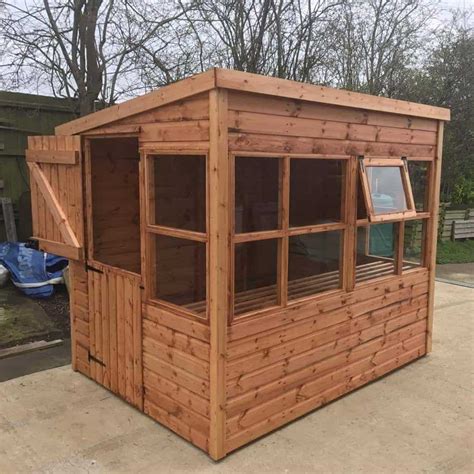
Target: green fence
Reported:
point(22, 115)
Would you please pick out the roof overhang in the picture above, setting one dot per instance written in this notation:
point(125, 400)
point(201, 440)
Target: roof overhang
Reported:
point(247, 82)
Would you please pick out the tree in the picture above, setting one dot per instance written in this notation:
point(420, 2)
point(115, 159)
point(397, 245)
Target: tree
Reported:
point(446, 79)
point(275, 37)
point(83, 49)
point(375, 42)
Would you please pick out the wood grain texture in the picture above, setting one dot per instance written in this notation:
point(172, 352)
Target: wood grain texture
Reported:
point(165, 95)
point(56, 195)
point(219, 264)
point(115, 325)
point(278, 371)
point(434, 184)
point(243, 81)
point(176, 374)
point(79, 315)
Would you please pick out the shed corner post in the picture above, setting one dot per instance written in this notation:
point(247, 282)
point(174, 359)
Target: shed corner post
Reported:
point(432, 234)
point(219, 264)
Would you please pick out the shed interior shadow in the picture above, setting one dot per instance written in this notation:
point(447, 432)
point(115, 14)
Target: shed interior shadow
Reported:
point(115, 202)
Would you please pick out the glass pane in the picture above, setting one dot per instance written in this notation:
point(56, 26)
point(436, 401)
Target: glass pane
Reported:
point(386, 189)
point(418, 172)
point(180, 272)
point(256, 194)
point(255, 275)
point(180, 191)
point(313, 263)
point(315, 191)
point(413, 244)
point(375, 251)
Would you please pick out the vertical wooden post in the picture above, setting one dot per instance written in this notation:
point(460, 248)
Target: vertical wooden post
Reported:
point(432, 230)
point(399, 246)
point(283, 222)
point(219, 264)
point(349, 214)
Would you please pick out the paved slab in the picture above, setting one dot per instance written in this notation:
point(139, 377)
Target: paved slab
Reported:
point(461, 272)
point(418, 419)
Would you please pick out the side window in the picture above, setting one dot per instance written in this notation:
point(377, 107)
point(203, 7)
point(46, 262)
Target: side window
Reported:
point(391, 216)
point(177, 231)
point(289, 227)
point(387, 189)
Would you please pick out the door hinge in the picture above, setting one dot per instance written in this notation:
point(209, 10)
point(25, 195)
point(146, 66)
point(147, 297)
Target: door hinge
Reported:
point(91, 357)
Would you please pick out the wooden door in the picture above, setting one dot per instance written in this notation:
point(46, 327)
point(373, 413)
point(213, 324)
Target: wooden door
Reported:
point(56, 194)
point(115, 331)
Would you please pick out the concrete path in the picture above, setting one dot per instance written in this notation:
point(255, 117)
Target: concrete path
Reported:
point(418, 419)
point(459, 272)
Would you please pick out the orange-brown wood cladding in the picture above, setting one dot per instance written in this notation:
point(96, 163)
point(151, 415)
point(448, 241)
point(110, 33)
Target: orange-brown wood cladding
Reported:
point(116, 332)
point(176, 373)
point(65, 181)
point(79, 308)
point(269, 124)
point(284, 364)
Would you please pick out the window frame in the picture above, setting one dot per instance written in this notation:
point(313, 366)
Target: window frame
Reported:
point(380, 162)
point(150, 229)
point(399, 220)
point(284, 231)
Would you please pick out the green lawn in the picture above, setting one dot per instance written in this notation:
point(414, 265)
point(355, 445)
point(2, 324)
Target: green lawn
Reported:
point(455, 252)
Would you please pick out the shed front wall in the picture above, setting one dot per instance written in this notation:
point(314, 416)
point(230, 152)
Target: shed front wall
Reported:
point(175, 349)
point(285, 362)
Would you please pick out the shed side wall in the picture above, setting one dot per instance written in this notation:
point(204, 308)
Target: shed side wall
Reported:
point(176, 373)
point(294, 360)
point(270, 124)
point(290, 361)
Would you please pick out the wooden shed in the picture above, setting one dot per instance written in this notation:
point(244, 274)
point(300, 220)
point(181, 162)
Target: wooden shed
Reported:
point(244, 249)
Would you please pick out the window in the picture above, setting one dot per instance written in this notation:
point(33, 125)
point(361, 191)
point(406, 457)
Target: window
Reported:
point(180, 272)
point(178, 191)
point(177, 231)
point(389, 240)
point(387, 189)
point(313, 264)
point(289, 229)
point(376, 248)
point(315, 191)
point(413, 244)
point(256, 194)
point(418, 172)
point(255, 269)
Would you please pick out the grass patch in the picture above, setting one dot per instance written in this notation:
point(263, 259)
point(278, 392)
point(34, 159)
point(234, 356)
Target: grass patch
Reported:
point(455, 252)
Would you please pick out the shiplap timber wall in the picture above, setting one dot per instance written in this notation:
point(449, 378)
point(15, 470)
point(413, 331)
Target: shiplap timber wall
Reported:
point(283, 364)
point(176, 373)
point(290, 361)
point(182, 125)
point(294, 360)
point(271, 124)
point(79, 308)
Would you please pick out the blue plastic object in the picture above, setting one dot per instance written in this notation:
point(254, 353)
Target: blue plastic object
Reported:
point(35, 273)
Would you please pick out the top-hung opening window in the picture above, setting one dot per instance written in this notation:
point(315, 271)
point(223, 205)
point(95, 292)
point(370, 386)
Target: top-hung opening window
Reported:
point(386, 188)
